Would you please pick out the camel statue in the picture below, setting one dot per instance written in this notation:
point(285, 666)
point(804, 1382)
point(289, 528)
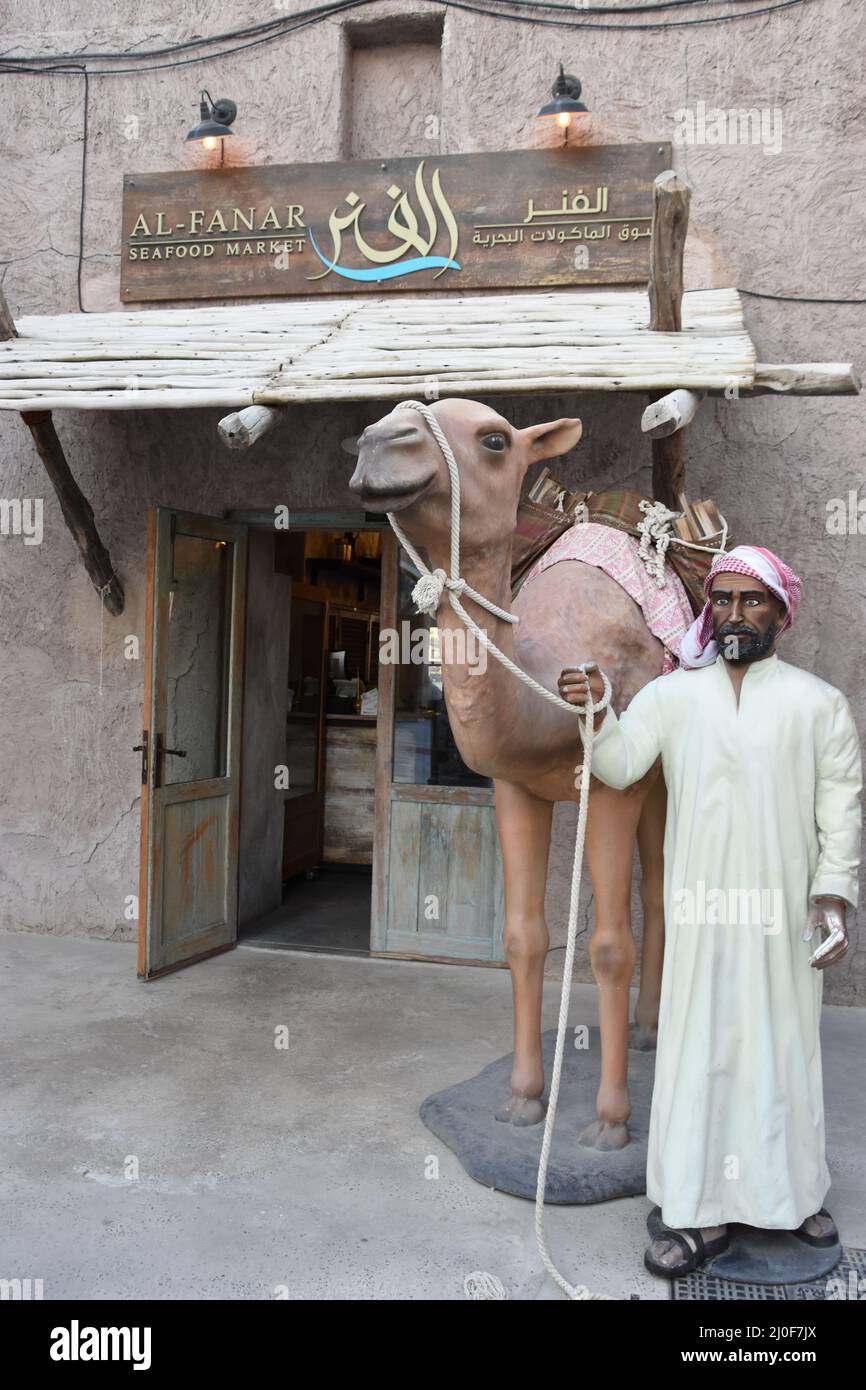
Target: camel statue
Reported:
point(569, 613)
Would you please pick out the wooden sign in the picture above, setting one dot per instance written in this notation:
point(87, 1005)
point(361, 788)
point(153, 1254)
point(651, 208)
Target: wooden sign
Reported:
point(565, 216)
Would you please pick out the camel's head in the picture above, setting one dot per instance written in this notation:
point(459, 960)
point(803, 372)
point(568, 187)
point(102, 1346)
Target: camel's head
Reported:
point(402, 469)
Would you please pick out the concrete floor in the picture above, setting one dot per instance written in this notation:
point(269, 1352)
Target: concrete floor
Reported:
point(261, 1168)
point(330, 912)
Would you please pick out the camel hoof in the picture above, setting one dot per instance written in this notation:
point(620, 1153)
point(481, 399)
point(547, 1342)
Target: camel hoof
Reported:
point(521, 1111)
point(604, 1136)
point(642, 1038)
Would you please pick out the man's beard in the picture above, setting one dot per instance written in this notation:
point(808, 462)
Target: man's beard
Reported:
point(740, 644)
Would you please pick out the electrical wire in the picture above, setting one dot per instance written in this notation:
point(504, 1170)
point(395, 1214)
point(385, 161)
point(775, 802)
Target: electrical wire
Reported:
point(272, 30)
point(325, 10)
point(629, 28)
point(797, 299)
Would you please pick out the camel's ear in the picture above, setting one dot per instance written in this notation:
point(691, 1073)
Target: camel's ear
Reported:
point(549, 440)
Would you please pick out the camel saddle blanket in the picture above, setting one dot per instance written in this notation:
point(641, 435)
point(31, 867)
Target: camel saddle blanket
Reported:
point(667, 610)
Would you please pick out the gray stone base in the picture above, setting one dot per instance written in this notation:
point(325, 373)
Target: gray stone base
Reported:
point(505, 1157)
point(771, 1257)
point(756, 1256)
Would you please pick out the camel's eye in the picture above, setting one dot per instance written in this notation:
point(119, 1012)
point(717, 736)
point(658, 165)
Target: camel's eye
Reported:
point(495, 441)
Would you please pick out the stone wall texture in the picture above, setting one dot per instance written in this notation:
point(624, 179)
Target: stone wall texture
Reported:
point(783, 217)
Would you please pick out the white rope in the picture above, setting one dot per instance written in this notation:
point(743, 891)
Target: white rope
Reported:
point(578, 1291)
point(428, 591)
point(481, 1285)
point(655, 530)
point(428, 596)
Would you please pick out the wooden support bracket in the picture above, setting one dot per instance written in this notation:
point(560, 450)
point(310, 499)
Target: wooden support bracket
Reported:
point(77, 511)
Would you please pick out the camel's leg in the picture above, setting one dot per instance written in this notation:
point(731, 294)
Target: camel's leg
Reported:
point(610, 839)
point(524, 836)
point(650, 843)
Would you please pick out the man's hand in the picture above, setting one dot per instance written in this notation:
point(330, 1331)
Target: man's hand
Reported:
point(574, 687)
point(827, 915)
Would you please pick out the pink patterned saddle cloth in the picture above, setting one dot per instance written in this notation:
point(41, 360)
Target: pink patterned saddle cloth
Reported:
point(667, 610)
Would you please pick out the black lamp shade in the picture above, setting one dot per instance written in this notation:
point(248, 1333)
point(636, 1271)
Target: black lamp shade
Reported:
point(209, 130)
point(215, 117)
point(563, 106)
point(564, 99)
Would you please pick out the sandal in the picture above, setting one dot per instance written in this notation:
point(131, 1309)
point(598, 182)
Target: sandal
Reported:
point(654, 1223)
point(692, 1257)
point(823, 1242)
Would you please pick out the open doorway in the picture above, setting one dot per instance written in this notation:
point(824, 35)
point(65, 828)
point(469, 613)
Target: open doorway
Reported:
point(333, 811)
point(329, 766)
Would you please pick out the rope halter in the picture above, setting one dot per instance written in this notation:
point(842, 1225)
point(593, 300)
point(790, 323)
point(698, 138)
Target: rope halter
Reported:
point(427, 593)
point(433, 584)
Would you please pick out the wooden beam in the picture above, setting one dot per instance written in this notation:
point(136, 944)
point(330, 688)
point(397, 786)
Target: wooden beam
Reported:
point(243, 428)
point(671, 196)
point(805, 379)
point(7, 323)
point(670, 413)
point(77, 511)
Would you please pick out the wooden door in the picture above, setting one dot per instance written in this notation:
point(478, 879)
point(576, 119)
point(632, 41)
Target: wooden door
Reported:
point(437, 870)
point(190, 748)
point(303, 832)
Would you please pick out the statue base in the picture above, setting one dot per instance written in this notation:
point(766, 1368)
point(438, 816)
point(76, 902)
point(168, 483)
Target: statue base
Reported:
point(505, 1156)
point(770, 1257)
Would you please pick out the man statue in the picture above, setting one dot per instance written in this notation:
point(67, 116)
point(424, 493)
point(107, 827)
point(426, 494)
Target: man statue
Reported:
point(762, 848)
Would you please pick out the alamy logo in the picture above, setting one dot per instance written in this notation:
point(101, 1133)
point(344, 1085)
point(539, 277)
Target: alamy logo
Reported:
point(837, 1289)
point(423, 646)
point(20, 1289)
point(22, 516)
point(76, 1343)
point(728, 907)
point(846, 516)
point(709, 125)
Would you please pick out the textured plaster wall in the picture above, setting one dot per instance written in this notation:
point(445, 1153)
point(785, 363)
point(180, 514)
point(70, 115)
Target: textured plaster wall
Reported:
point(786, 221)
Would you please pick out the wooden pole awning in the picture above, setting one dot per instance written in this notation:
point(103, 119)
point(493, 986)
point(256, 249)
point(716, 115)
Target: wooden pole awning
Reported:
point(388, 349)
point(321, 350)
point(256, 359)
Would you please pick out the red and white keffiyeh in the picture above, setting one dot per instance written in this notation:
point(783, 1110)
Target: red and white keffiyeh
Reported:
point(699, 647)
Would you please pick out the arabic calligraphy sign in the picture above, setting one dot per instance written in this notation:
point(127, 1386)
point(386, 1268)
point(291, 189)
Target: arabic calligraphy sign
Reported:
point(566, 216)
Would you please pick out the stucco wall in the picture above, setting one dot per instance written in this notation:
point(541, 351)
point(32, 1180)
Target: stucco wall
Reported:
point(784, 220)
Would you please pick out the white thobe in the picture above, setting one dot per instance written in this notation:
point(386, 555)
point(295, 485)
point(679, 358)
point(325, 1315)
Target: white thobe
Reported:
point(762, 815)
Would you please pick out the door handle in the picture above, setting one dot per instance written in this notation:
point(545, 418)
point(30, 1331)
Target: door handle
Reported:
point(159, 754)
point(142, 749)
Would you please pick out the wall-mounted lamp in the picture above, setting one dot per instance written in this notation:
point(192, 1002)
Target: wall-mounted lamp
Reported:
point(565, 104)
point(215, 117)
